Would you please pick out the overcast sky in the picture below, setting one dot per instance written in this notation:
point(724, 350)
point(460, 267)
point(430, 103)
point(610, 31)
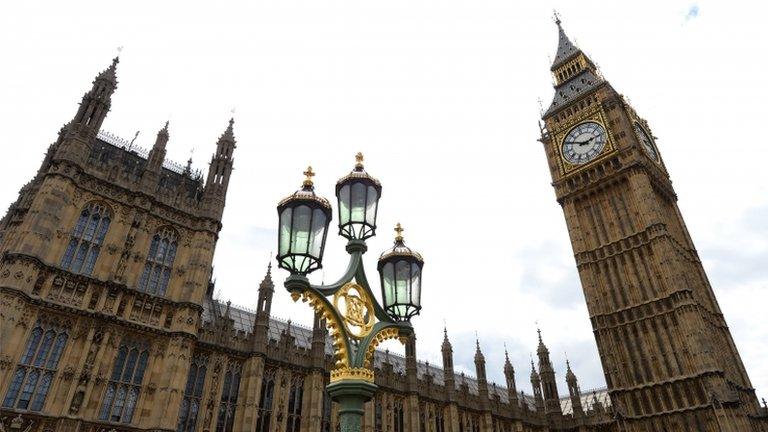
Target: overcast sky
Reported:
point(441, 96)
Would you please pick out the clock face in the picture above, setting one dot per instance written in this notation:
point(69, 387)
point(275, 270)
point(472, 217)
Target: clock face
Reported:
point(584, 143)
point(646, 141)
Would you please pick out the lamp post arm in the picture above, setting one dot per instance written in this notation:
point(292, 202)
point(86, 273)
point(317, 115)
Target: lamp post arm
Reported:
point(381, 331)
point(355, 263)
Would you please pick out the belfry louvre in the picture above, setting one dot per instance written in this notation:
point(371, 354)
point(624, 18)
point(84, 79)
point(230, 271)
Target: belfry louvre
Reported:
point(108, 321)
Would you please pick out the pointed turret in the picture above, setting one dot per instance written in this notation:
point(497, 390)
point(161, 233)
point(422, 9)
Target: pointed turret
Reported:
point(482, 378)
point(565, 48)
point(75, 137)
point(96, 102)
point(573, 390)
point(410, 363)
point(263, 309)
point(319, 334)
point(151, 175)
point(536, 386)
point(548, 383)
point(509, 375)
point(220, 171)
point(450, 379)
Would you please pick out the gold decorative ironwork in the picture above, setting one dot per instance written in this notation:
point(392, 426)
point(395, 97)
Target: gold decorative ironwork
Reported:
point(309, 173)
point(381, 336)
point(359, 160)
point(399, 230)
point(356, 309)
point(362, 374)
point(333, 325)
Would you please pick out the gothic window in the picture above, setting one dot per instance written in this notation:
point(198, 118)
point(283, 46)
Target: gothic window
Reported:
point(193, 393)
point(399, 416)
point(294, 404)
point(86, 238)
point(157, 269)
point(423, 417)
point(265, 401)
point(439, 421)
point(377, 416)
point(228, 404)
point(125, 383)
point(327, 407)
point(34, 373)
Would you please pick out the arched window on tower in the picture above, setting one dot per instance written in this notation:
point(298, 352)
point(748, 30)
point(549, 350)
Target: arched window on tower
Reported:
point(294, 404)
point(226, 419)
point(157, 269)
point(86, 238)
point(34, 373)
point(265, 401)
point(125, 383)
point(193, 394)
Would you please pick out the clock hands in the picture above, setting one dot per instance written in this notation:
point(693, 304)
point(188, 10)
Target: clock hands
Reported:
point(582, 143)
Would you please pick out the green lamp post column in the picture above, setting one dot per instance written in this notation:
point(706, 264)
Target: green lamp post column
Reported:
point(357, 323)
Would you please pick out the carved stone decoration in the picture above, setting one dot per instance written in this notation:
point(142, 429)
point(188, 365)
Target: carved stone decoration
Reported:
point(68, 373)
point(5, 362)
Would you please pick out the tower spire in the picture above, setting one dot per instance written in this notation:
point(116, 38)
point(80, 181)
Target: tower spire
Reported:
point(219, 171)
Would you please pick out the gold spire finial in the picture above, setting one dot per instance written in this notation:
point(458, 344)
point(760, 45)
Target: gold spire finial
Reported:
point(399, 230)
point(556, 16)
point(359, 160)
point(309, 173)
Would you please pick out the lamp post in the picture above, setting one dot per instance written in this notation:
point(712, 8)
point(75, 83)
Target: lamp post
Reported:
point(357, 323)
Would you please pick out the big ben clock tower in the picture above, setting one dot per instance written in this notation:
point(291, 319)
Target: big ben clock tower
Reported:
point(668, 357)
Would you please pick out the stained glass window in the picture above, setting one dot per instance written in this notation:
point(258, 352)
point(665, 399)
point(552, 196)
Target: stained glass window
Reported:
point(265, 401)
point(157, 269)
point(228, 405)
point(86, 238)
point(294, 404)
point(124, 385)
point(193, 394)
point(36, 369)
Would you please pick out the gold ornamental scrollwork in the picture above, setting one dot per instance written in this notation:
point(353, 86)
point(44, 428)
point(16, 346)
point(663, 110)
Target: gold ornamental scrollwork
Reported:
point(356, 309)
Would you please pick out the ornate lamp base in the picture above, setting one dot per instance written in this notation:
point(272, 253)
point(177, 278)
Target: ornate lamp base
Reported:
point(351, 394)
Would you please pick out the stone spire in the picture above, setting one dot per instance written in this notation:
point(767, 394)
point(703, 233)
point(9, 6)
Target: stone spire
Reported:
point(482, 378)
point(573, 390)
point(548, 383)
point(319, 334)
point(509, 375)
point(151, 174)
point(219, 172)
point(536, 385)
point(76, 136)
point(263, 309)
point(450, 379)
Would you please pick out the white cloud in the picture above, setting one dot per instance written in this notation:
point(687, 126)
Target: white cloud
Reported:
point(441, 97)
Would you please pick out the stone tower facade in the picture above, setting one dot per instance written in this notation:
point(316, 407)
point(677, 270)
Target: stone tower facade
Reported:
point(669, 359)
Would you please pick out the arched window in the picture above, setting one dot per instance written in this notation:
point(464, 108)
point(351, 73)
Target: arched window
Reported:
point(34, 373)
point(226, 418)
point(125, 383)
point(439, 421)
point(378, 423)
point(86, 238)
point(157, 270)
point(327, 408)
point(294, 404)
point(265, 402)
point(193, 393)
point(399, 416)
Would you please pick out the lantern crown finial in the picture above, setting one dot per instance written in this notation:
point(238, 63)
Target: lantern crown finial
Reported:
point(359, 161)
point(309, 174)
point(399, 232)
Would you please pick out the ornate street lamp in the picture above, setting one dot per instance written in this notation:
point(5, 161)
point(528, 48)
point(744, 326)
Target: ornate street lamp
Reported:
point(400, 271)
point(357, 323)
point(304, 219)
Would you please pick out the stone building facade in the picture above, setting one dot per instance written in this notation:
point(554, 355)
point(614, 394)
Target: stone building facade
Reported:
point(108, 321)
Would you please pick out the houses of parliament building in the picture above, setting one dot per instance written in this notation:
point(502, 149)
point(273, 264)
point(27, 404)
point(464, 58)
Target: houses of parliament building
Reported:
point(108, 321)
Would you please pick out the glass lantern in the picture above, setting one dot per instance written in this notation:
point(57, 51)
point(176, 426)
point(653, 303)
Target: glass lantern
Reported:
point(358, 195)
point(304, 219)
point(400, 271)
